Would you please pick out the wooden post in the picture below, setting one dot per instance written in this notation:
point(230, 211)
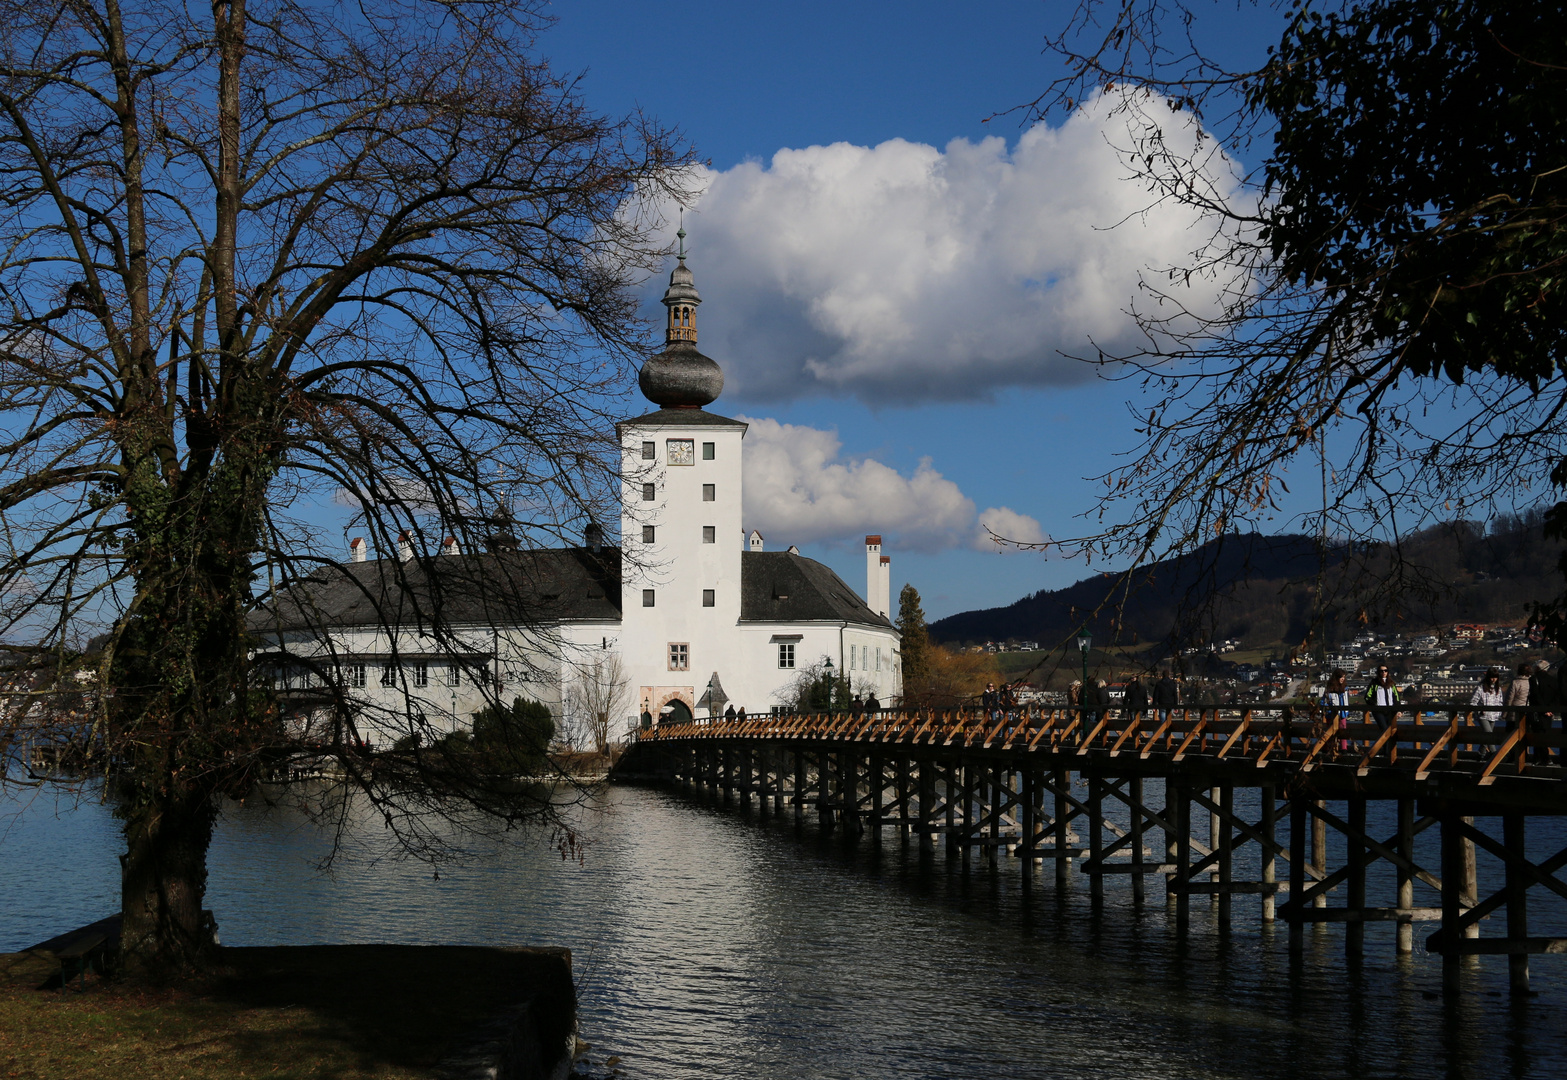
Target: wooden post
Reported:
point(1226, 850)
point(875, 776)
point(1096, 889)
point(1135, 787)
point(1471, 884)
point(1355, 929)
point(1214, 797)
point(997, 777)
point(1030, 822)
point(799, 787)
point(1319, 852)
point(848, 793)
point(1406, 880)
point(1183, 859)
point(1452, 890)
point(1063, 784)
point(780, 763)
point(952, 786)
point(1297, 875)
point(927, 785)
point(1171, 839)
point(824, 789)
point(903, 797)
point(1269, 825)
point(1517, 887)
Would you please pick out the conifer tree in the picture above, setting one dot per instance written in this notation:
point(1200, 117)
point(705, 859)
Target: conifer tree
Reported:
point(916, 640)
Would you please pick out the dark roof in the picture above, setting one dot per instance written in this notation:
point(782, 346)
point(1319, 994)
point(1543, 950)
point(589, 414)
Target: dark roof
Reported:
point(500, 588)
point(538, 587)
point(779, 586)
point(683, 418)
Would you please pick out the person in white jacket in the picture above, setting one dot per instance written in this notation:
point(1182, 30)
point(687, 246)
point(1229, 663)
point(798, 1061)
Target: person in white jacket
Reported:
point(1489, 693)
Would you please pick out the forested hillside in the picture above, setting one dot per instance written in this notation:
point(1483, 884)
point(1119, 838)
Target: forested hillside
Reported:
point(1266, 590)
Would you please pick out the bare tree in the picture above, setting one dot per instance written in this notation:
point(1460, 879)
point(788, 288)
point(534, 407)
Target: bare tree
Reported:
point(599, 694)
point(1388, 340)
point(261, 255)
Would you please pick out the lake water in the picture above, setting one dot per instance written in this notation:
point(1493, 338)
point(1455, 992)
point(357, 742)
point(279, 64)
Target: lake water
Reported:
point(714, 943)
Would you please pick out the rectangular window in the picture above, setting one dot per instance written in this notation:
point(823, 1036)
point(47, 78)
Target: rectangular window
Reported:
point(649, 493)
point(709, 534)
point(852, 650)
point(647, 451)
point(878, 658)
point(679, 656)
point(647, 534)
point(356, 676)
point(479, 676)
point(786, 654)
point(421, 675)
point(681, 451)
point(709, 493)
point(388, 675)
point(647, 597)
point(708, 598)
point(708, 451)
point(453, 674)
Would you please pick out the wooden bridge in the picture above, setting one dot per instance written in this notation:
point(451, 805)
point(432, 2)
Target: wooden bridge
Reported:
point(1002, 783)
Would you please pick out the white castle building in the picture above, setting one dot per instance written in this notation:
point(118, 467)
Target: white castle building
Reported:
point(689, 617)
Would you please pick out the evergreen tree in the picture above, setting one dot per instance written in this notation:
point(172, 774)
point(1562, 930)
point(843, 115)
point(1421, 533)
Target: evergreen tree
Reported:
point(916, 639)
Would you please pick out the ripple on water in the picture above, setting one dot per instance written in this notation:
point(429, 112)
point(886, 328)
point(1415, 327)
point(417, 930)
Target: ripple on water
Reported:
point(708, 943)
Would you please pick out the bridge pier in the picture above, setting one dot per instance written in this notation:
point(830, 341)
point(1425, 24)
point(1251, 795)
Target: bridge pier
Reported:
point(985, 785)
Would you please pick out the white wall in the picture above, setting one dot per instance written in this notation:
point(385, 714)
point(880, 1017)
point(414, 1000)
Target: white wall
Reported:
point(679, 565)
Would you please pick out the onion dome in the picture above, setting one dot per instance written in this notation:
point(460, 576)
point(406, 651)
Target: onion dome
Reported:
point(680, 377)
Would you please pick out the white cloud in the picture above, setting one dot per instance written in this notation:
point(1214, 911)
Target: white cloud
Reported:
point(798, 491)
point(903, 272)
point(1009, 526)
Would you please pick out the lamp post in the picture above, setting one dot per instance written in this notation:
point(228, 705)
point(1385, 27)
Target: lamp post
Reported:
point(830, 684)
point(1085, 641)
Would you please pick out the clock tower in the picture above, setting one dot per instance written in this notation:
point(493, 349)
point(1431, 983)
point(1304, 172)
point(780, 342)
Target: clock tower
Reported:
point(681, 536)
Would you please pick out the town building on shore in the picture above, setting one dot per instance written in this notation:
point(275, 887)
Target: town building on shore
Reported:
point(689, 616)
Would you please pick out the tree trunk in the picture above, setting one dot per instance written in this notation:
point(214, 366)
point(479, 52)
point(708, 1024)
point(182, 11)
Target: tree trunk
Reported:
point(163, 881)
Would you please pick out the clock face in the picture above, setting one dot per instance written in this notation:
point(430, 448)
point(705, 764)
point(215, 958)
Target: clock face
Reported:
point(682, 452)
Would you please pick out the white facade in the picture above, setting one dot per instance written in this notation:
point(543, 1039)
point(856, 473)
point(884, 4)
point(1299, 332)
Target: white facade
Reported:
point(700, 603)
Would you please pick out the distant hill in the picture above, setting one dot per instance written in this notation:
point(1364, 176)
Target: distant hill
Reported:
point(1264, 590)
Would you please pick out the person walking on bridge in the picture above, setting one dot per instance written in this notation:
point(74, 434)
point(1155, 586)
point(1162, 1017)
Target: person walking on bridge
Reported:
point(1383, 699)
point(1335, 705)
point(1134, 700)
point(1489, 693)
point(1518, 695)
point(1166, 696)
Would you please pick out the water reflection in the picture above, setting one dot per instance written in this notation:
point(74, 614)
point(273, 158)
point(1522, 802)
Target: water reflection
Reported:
point(715, 943)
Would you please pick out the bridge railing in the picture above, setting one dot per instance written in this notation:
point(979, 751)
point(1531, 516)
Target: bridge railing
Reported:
point(1484, 742)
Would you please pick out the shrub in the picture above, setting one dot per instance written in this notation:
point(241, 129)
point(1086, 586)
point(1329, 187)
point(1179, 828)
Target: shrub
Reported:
point(514, 737)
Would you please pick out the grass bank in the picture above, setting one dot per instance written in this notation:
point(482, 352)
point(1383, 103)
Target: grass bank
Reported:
point(348, 1012)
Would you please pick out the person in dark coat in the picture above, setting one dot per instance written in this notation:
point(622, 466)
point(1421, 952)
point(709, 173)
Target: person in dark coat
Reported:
point(1545, 699)
point(729, 714)
point(1166, 696)
point(1134, 702)
point(871, 704)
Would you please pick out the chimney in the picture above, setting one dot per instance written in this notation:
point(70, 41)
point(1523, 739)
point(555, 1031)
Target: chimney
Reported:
point(594, 535)
point(405, 546)
point(449, 546)
point(356, 549)
point(755, 540)
point(884, 587)
point(873, 578)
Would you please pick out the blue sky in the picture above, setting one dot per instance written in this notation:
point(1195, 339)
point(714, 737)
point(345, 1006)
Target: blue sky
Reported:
point(745, 81)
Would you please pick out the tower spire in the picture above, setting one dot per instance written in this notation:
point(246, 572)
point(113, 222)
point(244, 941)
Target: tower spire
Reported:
point(680, 377)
